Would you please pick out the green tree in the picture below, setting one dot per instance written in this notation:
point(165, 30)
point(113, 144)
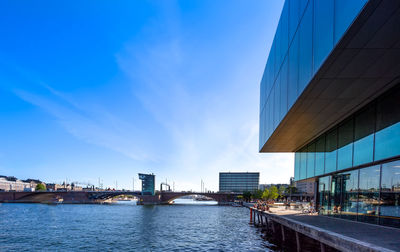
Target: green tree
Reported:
point(265, 195)
point(281, 191)
point(240, 197)
point(40, 187)
point(273, 193)
point(257, 194)
point(291, 189)
point(247, 196)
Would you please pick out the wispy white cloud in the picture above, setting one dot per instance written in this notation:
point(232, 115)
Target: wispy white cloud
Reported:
point(95, 127)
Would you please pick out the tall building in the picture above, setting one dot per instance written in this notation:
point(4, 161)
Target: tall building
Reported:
point(148, 183)
point(330, 93)
point(238, 181)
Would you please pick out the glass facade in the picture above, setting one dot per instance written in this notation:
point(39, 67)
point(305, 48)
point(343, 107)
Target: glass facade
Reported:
point(238, 181)
point(370, 194)
point(370, 135)
point(307, 32)
point(148, 183)
point(357, 161)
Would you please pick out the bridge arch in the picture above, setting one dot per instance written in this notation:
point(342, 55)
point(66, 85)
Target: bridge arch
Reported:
point(110, 194)
point(168, 197)
point(170, 200)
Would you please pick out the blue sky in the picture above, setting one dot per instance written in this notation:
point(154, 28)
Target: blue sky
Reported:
point(108, 89)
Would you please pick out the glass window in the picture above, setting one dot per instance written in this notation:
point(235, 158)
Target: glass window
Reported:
point(331, 149)
point(320, 155)
point(323, 31)
point(277, 101)
point(297, 166)
point(305, 43)
point(324, 189)
point(270, 119)
point(271, 74)
point(311, 160)
point(273, 113)
point(345, 12)
point(293, 77)
point(345, 148)
point(349, 197)
point(284, 30)
point(387, 136)
point(278, 51)
point(303, 163)
point(265, 132)
point(368, 203)
point(390, 194)
point(364, 127)
point(274, 70)
point(302, 6)
point(284, 89)
point(293, 17)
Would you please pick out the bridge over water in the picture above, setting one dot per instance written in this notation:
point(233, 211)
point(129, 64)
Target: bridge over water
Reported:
point(90, 197)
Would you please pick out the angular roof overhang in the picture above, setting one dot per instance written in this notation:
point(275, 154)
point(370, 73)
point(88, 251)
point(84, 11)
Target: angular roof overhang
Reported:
point(364, 64)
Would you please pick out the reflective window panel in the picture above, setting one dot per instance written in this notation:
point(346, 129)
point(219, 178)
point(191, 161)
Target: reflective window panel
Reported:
point(390, 194)
point(331, 149)
point(368, 202)
point(387, 136)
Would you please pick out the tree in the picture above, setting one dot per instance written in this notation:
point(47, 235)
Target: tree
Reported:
point(281, 190)
point(240, 197)
point(273, 193)
point(247, 196)
point(257, 194)
point(265, 195)
point(291, 189)
point(40, 187)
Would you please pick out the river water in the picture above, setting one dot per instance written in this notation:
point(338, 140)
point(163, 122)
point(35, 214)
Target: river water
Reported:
point(128, 227)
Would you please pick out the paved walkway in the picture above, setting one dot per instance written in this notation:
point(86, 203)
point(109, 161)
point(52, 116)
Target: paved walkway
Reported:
point(384, 237)
point(381, 236)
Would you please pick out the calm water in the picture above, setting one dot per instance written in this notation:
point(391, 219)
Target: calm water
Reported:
point(126, 226)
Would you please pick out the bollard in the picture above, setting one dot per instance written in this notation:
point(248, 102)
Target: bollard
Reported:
point(322, 247)
point(298, 242)
point(251, 216)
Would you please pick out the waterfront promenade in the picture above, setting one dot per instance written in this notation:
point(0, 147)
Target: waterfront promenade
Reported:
point(341, 234)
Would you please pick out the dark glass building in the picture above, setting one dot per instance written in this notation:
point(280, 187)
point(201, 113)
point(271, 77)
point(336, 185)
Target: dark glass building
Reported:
point(238, 181)
point(148, 183)
point(330, 93)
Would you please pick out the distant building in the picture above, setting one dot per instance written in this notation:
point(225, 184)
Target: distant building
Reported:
point(238, 181)
point(148, 183)
point(33, 182)
point(53, 187)
point(305, 186)
point(75, 187)
point(12, 184)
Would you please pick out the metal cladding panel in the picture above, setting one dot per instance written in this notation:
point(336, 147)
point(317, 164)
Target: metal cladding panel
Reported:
point(342, 54)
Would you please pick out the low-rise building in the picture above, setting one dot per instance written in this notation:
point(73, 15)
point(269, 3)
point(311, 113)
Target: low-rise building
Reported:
point(306, 186)
point(12, 184)
point(33, 182)
point(53, 187)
